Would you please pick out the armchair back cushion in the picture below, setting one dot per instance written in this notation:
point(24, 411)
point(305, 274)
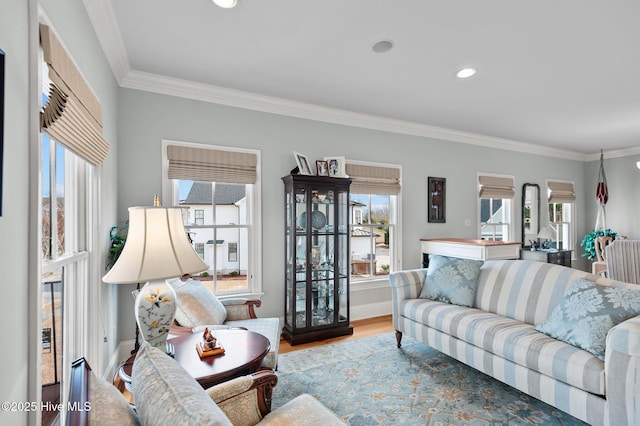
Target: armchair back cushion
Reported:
point(166, 394)
point(196, 305)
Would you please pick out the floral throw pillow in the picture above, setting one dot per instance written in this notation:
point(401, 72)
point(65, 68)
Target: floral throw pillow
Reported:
point(587, 312)
point(451, 280)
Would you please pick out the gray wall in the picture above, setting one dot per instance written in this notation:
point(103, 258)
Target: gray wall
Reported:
point(145, 119)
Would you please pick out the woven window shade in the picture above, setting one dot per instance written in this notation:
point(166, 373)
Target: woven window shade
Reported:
point(374, 179)
point(211, 165)
point(72, 114)
point(496, 187)
point(561, 192)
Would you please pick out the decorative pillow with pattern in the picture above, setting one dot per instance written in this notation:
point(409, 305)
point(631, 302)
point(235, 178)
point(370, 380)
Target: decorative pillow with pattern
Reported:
point(451, 280)
point(196, 305)
point(587, 312)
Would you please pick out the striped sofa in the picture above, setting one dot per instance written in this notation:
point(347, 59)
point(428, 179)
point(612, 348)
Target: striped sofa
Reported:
point(496, 337)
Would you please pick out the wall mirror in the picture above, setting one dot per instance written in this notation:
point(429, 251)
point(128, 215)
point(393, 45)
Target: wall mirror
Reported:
point(530, 213)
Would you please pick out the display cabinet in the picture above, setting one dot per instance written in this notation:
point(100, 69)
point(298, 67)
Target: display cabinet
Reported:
point(316, 258)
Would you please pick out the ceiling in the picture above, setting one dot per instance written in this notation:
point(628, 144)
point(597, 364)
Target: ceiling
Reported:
point(556, 76)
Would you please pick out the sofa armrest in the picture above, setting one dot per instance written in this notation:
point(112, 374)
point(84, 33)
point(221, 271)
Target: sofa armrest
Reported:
point(406, 284)
point(240, 309)
point(247, 399)
point(622, 372)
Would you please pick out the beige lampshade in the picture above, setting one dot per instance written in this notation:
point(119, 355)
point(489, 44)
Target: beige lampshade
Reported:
point(547, 233)
point(156, 248)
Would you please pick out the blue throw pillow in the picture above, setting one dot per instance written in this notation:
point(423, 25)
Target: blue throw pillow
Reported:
point(587, 312)
point(451, 280)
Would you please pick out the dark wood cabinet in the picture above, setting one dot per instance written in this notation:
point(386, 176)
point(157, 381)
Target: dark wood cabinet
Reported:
point(317, 258)
point(558, 257)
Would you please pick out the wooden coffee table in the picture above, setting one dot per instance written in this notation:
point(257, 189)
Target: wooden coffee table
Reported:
point(244, 351)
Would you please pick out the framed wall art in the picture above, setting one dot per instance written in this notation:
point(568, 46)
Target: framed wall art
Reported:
point(437, 197)
point(303, 164)
point(322, 168)
point(336, 166)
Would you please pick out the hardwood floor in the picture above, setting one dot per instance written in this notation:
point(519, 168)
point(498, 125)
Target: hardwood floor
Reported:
point(361, 328)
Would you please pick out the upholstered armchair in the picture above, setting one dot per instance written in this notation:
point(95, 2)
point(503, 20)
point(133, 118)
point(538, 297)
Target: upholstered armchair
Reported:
point(166, 394)
point(198, 308)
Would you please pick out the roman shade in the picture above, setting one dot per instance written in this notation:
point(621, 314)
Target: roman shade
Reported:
point(72, 114)
point(211, 165)
point(496, 186)
point(561, 192)
point(368, 179)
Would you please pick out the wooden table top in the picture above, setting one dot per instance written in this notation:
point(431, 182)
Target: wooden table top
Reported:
point(244, 351)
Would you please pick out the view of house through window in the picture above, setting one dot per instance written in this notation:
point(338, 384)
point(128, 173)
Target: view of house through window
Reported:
point(217, 219)
point(371, 228)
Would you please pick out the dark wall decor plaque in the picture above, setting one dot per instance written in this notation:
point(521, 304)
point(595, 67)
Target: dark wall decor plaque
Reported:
point(437, 196)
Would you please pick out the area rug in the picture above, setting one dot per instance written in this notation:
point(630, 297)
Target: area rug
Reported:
point(369, 381)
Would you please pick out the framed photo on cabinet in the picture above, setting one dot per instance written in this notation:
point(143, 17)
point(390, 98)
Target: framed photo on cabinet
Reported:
point(437, 197)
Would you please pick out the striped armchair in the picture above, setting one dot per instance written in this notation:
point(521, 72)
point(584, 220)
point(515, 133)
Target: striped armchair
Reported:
point(623, 261)
point(497, 336)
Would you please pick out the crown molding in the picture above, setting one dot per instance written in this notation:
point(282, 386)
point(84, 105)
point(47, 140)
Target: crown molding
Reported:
point(107, 30)
point(614, 154)
point(236, 98)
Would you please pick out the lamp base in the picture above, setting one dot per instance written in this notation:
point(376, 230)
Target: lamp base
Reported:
point(155, 310)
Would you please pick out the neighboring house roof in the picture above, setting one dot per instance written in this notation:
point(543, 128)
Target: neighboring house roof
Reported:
point(226, 193)
point(357, 232)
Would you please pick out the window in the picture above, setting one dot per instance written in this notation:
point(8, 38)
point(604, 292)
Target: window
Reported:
point(495, 196)
point(233, 252)
point(220, 206)
point(199, 217)
point(561, 205)
point(374, 211)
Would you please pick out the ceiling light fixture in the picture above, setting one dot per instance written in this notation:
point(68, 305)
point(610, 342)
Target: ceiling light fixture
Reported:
point(227, 4)
point(466, 72)
point(382, 46)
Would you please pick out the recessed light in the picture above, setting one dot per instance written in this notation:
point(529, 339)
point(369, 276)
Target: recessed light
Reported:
point(466, 72)
point(382, 46)
point(227, 4)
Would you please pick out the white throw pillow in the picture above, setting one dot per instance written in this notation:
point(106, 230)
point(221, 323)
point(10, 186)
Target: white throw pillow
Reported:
point(196, 305)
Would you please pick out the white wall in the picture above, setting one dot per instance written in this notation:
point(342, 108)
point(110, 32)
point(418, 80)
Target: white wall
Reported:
point(145, 119)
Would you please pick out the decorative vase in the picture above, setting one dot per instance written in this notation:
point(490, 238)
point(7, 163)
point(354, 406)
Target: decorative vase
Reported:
point(155, 310)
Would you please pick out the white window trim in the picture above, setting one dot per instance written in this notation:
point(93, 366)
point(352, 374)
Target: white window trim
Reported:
point(574, 242)
point(170, 192)
point(512, 235)
point(395, 237)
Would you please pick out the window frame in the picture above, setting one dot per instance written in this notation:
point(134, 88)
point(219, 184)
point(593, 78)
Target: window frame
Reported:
point(395, 234)
point(507, 203)
point(254, 197)
point(573, 243)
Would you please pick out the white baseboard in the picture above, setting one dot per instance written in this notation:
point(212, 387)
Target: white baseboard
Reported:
point(370, 311)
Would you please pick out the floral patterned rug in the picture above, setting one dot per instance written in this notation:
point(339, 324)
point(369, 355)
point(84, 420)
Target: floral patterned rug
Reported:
point(369, 381)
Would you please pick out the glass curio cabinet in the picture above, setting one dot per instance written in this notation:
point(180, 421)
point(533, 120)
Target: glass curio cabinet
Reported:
point(316, 258)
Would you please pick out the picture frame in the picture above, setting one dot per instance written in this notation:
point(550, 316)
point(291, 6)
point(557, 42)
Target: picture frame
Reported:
point(336, 166)
point(436, 195)
point(322, 168)
point(303, 164)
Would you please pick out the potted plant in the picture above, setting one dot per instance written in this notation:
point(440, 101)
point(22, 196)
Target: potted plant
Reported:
point(589, 241)
point(118, 236)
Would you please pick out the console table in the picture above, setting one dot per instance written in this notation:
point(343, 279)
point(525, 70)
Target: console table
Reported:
point(558, 257)
point(470, 249)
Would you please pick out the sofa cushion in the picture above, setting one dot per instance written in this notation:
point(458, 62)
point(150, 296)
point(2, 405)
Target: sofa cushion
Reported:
point(587, 312)
point(196, 305)
point(301, 411)
point(166, 394)
point(451, 280)
point(108, 406)
point(511, 339)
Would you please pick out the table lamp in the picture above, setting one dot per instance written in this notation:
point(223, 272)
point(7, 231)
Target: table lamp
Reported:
point(546, 234)
point(157, 248)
